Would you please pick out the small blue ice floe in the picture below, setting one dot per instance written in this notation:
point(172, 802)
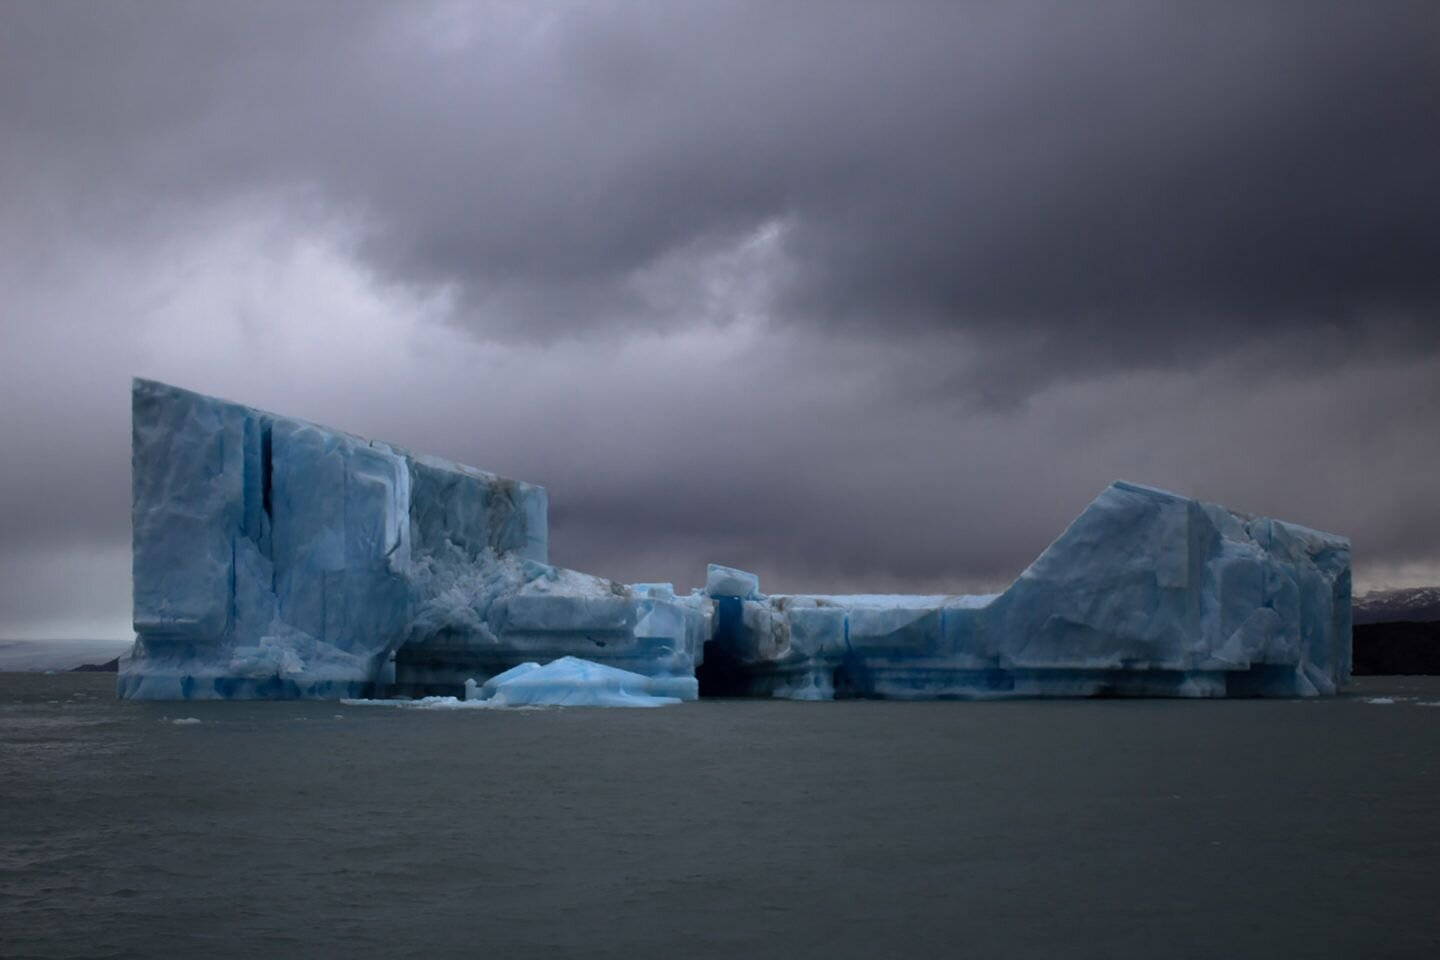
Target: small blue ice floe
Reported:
point(573, 682)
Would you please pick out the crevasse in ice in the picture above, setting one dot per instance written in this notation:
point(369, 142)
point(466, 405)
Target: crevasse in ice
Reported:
point(277, 559)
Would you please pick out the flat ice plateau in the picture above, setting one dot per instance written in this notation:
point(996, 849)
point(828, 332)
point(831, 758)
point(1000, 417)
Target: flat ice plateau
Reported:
point(275, 559)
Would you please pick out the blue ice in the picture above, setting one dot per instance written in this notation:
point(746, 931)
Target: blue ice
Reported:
point(729, 582)
point(566, 682)
point(1146, 594)
point(274, 558)
point(277, 559)
point(573, 682)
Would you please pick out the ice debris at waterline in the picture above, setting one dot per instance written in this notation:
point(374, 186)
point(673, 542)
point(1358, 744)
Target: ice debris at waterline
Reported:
point(573, 682)
point(277, 559)
point(567, 682)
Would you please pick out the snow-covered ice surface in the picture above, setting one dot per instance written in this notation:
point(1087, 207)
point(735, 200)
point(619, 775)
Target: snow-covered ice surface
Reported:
point(277, 559)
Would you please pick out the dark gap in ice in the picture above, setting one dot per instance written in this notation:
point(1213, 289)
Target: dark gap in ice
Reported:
point(265, 470)
point(851, 681)
point(723, 675)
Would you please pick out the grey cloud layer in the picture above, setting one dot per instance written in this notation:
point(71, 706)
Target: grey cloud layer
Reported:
point(1143, 178)
point(997, 254)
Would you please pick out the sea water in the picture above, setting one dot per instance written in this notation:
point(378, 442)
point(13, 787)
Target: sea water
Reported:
point(1072, 828)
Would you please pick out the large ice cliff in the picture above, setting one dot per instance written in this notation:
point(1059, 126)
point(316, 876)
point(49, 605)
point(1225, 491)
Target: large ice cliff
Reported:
point(276, 559)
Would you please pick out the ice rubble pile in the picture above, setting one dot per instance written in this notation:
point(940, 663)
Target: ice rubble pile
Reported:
point(277, 559)
point(1146, 594)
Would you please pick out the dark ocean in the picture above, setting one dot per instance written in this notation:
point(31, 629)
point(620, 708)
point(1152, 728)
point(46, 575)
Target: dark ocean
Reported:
point(735, 829)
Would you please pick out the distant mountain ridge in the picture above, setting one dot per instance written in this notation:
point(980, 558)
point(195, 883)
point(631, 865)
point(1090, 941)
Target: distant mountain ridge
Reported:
point(109, 666)
point(34, 656)
point(1416, 605)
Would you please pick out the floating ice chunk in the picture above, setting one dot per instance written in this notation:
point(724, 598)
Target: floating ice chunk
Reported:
point(566, 682)
point(730, 582)
point(1381, 701)
point(573, 682)
point(428, 703)
point(424, 703)
point(185, 721)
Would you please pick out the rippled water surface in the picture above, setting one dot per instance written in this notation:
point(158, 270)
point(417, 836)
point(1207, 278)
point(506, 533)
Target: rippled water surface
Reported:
point(720, 829)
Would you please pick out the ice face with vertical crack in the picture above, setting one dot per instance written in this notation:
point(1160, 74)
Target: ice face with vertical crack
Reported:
point(274, 558)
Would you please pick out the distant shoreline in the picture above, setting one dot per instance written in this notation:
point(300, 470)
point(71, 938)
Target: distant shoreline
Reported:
point(109, 666)
point(1401, 647)
point(59, 656)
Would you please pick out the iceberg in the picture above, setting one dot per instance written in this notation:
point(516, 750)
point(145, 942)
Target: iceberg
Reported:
point(275, 559)
point(1146, 594)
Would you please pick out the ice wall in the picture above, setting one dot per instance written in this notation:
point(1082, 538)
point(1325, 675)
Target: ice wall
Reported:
point(1146, 594)
point(274, 559)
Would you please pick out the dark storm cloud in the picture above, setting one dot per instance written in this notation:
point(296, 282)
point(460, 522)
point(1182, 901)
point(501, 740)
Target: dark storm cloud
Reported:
point(1142, 181)
point(951, 267)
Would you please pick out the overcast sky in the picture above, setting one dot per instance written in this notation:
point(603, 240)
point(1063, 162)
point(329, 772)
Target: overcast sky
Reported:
point(859, 296)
